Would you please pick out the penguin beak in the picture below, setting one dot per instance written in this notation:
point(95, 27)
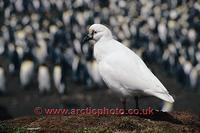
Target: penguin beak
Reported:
point(88, 37)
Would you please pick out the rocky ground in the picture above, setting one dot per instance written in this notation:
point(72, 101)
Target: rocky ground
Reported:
point(176, 122)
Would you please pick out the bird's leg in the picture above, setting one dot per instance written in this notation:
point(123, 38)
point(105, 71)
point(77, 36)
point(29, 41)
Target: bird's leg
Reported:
point(136, 102)
point(123, 100)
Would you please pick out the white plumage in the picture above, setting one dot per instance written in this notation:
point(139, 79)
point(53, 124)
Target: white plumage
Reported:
point(193, 77)
point(75, 63)
point(2, 80)
point(26, 72)
point(44, 79)
point(122, 70)
point(162, 30)
point(57, 77)
point(41, 52)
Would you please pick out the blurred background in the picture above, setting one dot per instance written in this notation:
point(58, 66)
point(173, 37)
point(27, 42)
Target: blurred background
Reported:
point(43, 63)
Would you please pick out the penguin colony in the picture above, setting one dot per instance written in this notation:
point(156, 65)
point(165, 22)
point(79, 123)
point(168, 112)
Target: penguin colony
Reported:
point(41, 40)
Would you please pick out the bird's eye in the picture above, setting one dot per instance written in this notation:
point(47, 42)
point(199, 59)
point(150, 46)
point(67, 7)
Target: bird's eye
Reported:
point(94, 32)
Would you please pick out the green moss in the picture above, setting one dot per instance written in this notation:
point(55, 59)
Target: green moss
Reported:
point(157, 130)
point(127, 124)
point(5, 128)
point(20, 130)
point(95, 130)
point(9, 129)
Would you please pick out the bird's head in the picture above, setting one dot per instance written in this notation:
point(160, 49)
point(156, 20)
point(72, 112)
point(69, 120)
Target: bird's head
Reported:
point(96, 32)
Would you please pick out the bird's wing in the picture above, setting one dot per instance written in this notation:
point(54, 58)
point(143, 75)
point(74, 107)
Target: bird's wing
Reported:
point(131, 72)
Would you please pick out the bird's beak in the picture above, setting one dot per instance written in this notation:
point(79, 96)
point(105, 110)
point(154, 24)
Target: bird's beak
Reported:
point(37, 45)
point(88, 37)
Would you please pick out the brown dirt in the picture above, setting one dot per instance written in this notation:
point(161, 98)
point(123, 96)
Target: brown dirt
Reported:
point(159, 122)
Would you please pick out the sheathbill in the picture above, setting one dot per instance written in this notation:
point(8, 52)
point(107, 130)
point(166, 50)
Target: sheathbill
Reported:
point(123, 71)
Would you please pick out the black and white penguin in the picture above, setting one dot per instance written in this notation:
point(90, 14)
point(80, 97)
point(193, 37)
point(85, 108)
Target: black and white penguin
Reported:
point(2, 80)
point(92, 68)
point(27, 68)
point(92, 75)
point(14, 64)
point(59, 70)
point(41, 51)
point(44, 83)
point(58, 78)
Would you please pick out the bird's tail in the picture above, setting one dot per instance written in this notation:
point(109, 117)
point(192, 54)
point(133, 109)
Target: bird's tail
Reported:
point(168, 101)
point(167, 106)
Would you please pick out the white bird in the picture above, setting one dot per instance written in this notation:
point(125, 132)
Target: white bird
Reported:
point(57, 77)
point(123, 71)
point(2, 80)
point(26, 72)
point(44, 79)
